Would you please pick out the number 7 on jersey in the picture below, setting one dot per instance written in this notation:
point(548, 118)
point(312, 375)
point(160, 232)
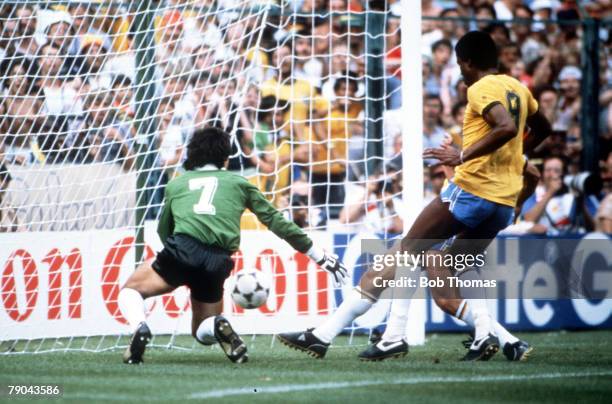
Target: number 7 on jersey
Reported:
point(209, 187)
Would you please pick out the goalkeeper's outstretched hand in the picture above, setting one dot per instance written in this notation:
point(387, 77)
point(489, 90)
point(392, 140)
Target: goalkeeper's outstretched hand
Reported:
point(334, 266)
point(329, 262)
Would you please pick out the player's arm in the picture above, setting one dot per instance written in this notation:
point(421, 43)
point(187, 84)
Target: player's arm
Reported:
point(503, 129)
point(540, 129)
point(290, 232)
point(531, 177)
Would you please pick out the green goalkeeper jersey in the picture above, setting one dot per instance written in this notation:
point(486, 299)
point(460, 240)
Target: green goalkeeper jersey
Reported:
point(207, 204)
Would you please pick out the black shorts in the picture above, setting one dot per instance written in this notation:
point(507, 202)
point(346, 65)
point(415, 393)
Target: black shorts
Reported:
point(187, 261)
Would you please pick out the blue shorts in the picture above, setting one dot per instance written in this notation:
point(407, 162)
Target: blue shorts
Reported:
point(476, 212)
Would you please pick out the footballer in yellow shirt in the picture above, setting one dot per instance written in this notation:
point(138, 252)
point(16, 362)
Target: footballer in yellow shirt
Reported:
point(476, 205)
point(496, 177)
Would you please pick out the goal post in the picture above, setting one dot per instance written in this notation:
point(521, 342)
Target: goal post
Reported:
point(99, 100)
point(145, 119)
point(412, 145)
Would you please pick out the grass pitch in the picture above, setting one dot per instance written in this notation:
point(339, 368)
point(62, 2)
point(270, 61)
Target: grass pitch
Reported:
point(564, 367)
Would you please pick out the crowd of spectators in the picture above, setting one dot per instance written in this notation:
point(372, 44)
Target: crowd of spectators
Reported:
point(540, 44)
point(293, 92)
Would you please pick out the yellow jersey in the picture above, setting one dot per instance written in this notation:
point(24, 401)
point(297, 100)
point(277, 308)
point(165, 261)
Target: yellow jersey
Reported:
point(298, 92)
point(330, 153)
point(496, 177)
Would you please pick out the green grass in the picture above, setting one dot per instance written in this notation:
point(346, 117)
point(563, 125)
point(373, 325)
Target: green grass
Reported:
point(565, 367)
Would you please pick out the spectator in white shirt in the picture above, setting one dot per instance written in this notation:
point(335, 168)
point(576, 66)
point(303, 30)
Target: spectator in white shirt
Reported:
point(551, 207)
point(449, 29)
point(505, 8)
point(433, 132)
point(176, 85)
point(374, 208)
point(340, 63)
point(306, 66)
point(60, 97)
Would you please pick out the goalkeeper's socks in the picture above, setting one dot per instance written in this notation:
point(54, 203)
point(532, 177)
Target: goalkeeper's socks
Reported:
point(397, 320)
point(132, 307)
point(205, 334)
point(355, 304)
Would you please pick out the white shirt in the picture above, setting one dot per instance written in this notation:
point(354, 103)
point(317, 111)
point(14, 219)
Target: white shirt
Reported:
point(376, 218)
point(433, 141)
point(124, 63)
point(327, 90)
point(558, 211)
point(392, 127)
point(61, 101)
point(502, 11)
point(313, 70)
point(171, 141)
point(194, 37)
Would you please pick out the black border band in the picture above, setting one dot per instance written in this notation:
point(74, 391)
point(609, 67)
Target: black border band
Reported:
point(488, 107)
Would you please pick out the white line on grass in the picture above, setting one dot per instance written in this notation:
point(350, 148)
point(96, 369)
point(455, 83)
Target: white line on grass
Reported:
point(289, 388)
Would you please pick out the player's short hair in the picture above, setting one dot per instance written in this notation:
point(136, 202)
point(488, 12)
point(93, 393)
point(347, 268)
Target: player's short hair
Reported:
point(477, 47)
point(210, 145)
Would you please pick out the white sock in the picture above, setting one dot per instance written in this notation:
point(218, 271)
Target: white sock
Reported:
point(398, 314)
point(476, 314)
point(132, 307)
point(397, 320)
point(467, 313)
point(504, 336)
point(352, 307)
point(205, 333)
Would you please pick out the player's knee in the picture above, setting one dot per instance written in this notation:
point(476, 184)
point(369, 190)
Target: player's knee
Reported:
point(444, 303)
point(369, 286)
point(370, 279)
point(132, 284)
point(138, 286)
point(408, 243)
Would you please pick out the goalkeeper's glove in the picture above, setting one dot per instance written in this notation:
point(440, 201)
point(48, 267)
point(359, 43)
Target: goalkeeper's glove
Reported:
point(330, 263)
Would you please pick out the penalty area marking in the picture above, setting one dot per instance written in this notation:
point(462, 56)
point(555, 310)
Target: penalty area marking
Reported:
point(290, 388)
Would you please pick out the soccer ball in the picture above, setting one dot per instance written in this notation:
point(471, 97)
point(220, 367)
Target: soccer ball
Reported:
point(250, 288)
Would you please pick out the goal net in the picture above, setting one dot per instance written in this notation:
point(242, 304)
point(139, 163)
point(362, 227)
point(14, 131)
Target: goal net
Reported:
point(99, 100)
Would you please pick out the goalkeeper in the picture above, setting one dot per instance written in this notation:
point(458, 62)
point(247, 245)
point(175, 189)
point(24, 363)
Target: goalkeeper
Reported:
point(200, 229)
